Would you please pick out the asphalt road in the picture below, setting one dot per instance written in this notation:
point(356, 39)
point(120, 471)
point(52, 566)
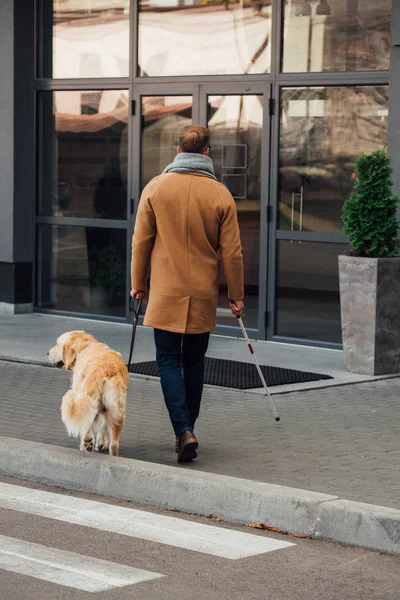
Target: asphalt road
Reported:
point(52, 543)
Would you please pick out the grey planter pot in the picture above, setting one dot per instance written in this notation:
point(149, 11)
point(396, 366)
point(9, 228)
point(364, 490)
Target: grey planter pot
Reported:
point(370, 308)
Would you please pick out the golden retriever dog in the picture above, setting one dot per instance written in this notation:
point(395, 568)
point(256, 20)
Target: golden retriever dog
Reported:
point(94, 407)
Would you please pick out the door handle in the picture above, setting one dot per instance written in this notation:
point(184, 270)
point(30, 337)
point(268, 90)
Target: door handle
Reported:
point(292, 217)
point(301, 208)
point(294, 196)
point(299, 195)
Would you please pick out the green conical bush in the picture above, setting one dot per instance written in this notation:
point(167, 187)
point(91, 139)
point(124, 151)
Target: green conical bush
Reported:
point(369, 215)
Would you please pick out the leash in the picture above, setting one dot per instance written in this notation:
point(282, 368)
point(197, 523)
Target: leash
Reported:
point(136, 312)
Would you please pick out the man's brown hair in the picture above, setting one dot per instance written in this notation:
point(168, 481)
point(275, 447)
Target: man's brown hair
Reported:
point(194, 138)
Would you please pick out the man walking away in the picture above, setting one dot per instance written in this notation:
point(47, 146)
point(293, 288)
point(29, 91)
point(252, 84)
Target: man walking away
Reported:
point(186, 223)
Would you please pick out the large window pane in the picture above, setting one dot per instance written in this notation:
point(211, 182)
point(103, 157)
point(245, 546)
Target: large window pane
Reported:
point(163, 118)
point(84, 38)
point(83, 154)
point(204, 37)
point(307, 291)
point(82, 269)
point(236, 132)
point(322, 131)
point(336, 35)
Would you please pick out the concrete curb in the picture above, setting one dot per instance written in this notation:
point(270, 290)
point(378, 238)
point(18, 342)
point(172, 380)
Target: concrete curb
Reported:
point(304, 513)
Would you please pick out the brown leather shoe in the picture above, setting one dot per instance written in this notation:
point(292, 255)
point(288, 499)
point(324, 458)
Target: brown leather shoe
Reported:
point(187, 447)
point(178, 439)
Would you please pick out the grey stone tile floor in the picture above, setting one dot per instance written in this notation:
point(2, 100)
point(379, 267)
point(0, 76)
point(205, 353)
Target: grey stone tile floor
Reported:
point(340, 440)
point(28, 338)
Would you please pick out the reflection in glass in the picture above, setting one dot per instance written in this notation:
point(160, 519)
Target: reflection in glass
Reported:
point(322, 132)
point(163, 118)
point(83, 154)
point(336, 35)
point(204, 37)
point(82, 269)
point(307, 291)
point(85, 38)
point(236, 135)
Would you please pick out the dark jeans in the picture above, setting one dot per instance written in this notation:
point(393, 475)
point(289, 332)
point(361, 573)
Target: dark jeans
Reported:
point(180, 359)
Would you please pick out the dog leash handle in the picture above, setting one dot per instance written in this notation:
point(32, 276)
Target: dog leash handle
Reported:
point(136, 312)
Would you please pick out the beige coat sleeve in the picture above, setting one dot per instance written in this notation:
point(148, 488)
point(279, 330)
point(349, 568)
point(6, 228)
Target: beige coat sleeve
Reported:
point(231, 251)
point(143, 241)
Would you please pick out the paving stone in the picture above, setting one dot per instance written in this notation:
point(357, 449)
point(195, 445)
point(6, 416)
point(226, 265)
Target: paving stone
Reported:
point(341, 440)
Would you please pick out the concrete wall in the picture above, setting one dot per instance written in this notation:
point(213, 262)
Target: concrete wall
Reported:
point(16, 151)
point(6, 130)
point(24, 142)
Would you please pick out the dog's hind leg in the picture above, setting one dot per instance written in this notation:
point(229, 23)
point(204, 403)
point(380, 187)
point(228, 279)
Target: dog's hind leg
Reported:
point(114, 400)
point(78, 414)
point(114, 431)
point(100, 429)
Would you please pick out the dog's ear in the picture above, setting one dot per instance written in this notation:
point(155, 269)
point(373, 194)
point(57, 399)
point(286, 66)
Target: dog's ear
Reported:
point(69, 354)
point(77, 342)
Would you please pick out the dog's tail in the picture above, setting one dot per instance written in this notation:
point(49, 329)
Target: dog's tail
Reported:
point(78, 414)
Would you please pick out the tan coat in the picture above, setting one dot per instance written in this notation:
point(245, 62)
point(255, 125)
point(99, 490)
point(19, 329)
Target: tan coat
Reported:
point(185, 223)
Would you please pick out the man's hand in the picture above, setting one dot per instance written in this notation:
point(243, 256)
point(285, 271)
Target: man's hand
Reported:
point(236, 307)
point(138, 294)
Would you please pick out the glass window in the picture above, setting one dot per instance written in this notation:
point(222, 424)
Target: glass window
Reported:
point(336, 35)
point(236, 124)
point(322, 131)
point(84, 38)
point(204, 37)
point(83, 154)
point(163, 117)
point(307, 291)
point(82, 269)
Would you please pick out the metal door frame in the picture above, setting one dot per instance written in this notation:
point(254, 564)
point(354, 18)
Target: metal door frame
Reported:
point(200, 86)
point(200, 93)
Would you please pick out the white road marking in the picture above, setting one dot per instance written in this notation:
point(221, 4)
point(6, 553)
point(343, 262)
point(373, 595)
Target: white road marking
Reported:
point(171, 531)
point(67, 568)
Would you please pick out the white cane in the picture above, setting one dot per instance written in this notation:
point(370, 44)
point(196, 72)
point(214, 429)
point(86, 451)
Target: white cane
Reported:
point(246, 337)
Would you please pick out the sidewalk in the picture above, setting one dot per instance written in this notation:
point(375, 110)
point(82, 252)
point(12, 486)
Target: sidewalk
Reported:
point(28, 338)
point(341, 440)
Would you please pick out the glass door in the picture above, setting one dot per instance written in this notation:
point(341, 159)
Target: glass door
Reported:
point(238, 118)
point(161, 112)
point(321, 132)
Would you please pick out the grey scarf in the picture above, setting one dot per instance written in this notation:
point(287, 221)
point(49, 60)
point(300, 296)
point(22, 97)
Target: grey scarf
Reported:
point(189, 162)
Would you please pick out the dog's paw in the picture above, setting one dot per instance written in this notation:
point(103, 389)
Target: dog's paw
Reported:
point(101, 444)
point(88, 444)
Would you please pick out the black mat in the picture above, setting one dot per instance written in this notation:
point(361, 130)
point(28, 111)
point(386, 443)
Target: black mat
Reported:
point(238, 375)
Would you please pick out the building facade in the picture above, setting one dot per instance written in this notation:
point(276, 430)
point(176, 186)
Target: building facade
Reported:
point(93, 94)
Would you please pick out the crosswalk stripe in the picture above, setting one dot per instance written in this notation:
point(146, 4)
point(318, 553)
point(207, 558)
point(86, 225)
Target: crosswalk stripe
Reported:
point(148, 526)
point(67, 568)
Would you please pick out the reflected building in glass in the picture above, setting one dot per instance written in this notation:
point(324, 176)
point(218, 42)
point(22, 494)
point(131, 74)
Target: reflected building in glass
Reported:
point(292, 91)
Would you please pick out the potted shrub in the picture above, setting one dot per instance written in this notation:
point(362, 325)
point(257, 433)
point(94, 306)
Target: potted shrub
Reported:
point(107, 278)
point(369, 275)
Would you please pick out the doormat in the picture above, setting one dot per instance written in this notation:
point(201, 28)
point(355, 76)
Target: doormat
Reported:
point(238, 375)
